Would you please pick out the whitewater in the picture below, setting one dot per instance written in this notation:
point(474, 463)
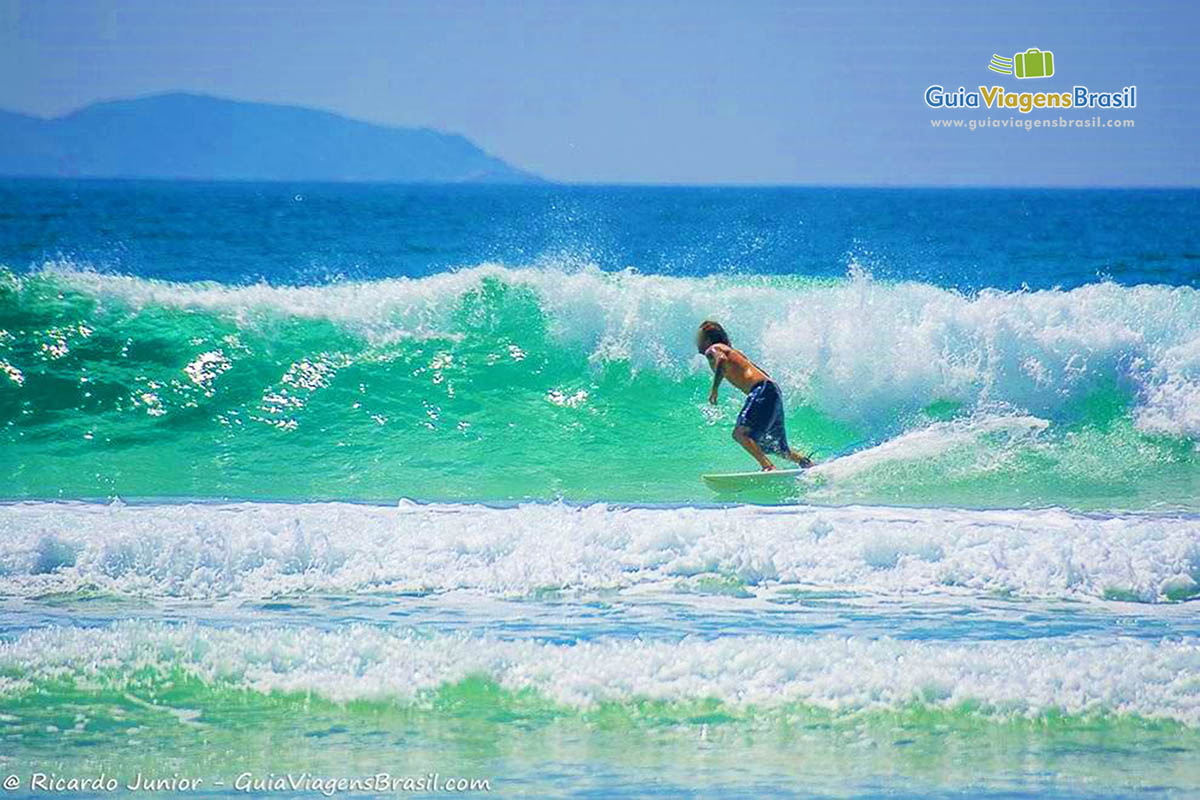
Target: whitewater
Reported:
point(249, 550)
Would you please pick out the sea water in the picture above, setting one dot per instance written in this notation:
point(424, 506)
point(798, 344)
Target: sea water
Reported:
point(314, 483)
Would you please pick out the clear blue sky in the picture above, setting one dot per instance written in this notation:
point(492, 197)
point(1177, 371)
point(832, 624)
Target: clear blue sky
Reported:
point(651, 91)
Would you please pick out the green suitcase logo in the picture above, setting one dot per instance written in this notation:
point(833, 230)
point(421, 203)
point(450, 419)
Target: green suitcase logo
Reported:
point(1033, 63)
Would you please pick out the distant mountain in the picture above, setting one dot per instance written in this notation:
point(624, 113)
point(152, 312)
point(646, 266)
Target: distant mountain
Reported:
point(195, 137)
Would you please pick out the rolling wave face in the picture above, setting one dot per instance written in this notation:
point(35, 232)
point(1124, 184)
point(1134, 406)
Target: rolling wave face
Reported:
point(267, 550)
point(838, 675)
point(511, 383)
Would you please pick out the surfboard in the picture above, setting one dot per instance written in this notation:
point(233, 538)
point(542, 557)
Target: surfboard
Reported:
point(739, 481)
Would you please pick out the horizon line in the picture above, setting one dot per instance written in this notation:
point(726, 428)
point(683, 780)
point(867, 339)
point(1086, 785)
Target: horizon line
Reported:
point(600, 184)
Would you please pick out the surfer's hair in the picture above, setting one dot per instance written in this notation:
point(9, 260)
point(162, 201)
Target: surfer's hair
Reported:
point(711, 333)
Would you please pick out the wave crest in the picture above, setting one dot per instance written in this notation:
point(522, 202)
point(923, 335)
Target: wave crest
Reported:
point(845, 676)
point(263, 550)
point(860, 350)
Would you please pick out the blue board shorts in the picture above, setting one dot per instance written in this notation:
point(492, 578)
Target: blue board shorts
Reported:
point(762, 413)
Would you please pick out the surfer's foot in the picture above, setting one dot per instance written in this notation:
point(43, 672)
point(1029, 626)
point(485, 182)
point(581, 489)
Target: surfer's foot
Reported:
point(800, 459)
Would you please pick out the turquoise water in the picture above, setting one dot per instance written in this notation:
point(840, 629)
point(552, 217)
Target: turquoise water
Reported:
point(338, 480)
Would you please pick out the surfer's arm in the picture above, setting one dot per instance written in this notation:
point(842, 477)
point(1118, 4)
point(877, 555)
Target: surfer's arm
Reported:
point(716, 359)
point(712, 393)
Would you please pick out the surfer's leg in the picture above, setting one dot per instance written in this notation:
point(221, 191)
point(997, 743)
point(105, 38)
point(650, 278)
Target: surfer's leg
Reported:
point(777, 432)
point(741, 435)
point(786, 450)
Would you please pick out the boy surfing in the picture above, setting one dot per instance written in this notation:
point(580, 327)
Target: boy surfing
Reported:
point(759, 426)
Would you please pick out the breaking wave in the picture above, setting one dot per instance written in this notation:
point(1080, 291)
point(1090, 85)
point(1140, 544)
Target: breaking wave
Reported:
point(450, 379)
point(264, 550)
point(844, 676)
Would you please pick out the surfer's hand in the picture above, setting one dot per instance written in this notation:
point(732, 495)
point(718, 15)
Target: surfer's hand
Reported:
point(712, 397)
point(768, 467)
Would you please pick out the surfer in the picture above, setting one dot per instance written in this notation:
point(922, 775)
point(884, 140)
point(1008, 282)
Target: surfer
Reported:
point(759, 426)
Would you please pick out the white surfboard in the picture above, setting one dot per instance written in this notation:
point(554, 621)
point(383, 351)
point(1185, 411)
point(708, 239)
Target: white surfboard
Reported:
point(739, 481)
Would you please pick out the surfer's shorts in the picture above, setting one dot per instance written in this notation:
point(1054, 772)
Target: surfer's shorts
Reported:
point(762, 413)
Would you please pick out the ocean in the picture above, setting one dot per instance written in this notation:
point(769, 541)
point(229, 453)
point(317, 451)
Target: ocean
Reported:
point(328, 482)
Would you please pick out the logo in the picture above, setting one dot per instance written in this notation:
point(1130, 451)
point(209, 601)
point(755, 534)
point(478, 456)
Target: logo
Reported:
point(1033, 63)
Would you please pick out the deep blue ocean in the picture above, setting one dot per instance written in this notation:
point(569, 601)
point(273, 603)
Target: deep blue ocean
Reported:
point(286, 234)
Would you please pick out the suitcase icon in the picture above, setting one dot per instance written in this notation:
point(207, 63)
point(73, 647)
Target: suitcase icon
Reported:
point(1034, 63)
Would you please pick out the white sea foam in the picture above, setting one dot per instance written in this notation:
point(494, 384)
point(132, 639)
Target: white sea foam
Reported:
point(262, 550)
point(1172, 403)
point(1075, 675)
point(865, 351)
point(930, 442)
